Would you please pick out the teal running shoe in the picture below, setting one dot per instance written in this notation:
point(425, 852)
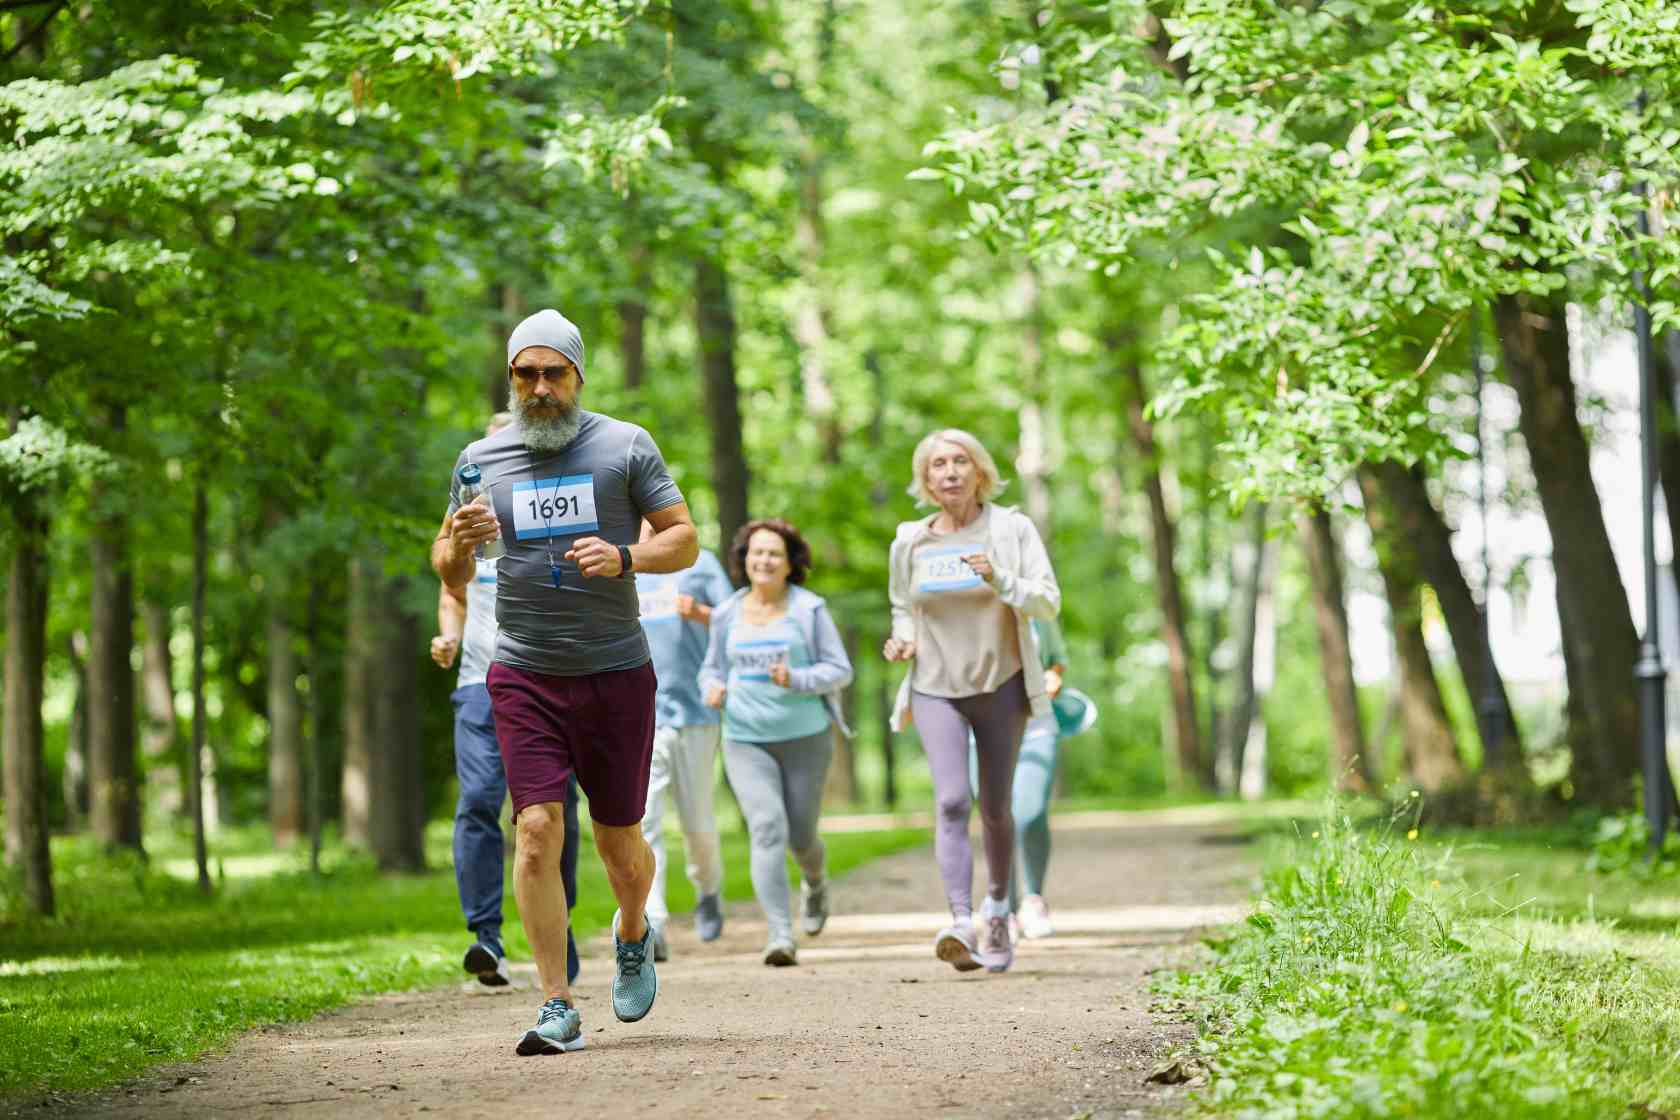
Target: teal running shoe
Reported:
point(635, 984)
point(559, 1029)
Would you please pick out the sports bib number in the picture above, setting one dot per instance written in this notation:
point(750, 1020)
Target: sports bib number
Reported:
point(554, 507)
point(659, 602)
point(754, 659)
point(943, 569)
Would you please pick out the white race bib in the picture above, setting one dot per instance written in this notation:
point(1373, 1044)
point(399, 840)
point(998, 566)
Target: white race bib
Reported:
point(659, 602)
point(554, 507)
point(754, 659)
point(943, 569)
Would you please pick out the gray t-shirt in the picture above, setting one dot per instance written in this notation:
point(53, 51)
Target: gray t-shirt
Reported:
point(599, 485)
point(478, 636)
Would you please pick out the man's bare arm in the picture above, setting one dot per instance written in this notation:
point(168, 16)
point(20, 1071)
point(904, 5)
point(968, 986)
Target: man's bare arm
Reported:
point(452, 622)
point(674, 544)
point(452, 612)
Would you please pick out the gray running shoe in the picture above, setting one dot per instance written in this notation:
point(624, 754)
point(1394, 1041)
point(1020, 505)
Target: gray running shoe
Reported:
point(559, 1029)
point(997, 949)
point(485, 961)
point(661, 947)
point(813, 907)
point(955, 946)
point(780, 953)
point(708, 917)
point(635, 984)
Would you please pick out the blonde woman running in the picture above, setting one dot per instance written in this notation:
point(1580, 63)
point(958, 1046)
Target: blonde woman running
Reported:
point(965, 584)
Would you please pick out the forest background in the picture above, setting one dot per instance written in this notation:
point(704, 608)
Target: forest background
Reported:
point(261, 260)
point(1223, 284)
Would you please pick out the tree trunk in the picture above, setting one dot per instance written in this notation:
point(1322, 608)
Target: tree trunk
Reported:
point(504, 316)
point(285, 729)
point(195, 749)
point(1350, 769)
point(1431, 752)
point(1534, 339)
point(1213, 672)
point(813, 319)
point(715, 325)
point(632, 319)
point(25, 772)
point(1248, 559)
point(1033, 462)
point(113, 775)
point(360, 699)
point(1251, 775)
point(1665, 361)
point(397, 805)
point(75, 780)
point(1193, 768)
point(315, 785)
point(1421, 530)
point(157, 687)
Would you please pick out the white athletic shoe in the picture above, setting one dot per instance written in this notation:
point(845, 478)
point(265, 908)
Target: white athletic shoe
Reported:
point(1035, 918)
point(996, 951)
point(955, 946)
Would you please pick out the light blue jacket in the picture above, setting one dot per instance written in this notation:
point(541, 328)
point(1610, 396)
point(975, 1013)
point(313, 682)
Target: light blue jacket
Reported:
point(830, 669)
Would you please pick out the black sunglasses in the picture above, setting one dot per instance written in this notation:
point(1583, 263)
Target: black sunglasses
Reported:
point(531, 376)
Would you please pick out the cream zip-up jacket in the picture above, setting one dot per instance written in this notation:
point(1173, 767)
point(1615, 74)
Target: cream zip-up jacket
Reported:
point(1022, 578)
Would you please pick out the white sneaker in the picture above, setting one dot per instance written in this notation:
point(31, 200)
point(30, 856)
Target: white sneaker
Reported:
point(1035, 917)
point(780, 952)
point(996, 952)
point(955, 946)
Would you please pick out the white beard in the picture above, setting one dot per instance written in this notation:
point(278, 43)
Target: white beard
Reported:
point(547, 430)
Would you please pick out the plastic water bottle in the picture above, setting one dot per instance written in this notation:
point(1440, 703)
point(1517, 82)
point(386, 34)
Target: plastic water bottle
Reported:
point(472, 490)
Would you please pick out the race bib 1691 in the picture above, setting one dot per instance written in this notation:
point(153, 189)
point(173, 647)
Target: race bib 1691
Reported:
point(554, 507)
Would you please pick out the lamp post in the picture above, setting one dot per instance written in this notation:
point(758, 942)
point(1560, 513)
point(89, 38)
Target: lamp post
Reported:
point(1648, 671)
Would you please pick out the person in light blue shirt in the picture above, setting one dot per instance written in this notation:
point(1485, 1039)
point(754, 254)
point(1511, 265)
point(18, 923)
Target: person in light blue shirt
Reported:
point(775, 666)
point(676, 610)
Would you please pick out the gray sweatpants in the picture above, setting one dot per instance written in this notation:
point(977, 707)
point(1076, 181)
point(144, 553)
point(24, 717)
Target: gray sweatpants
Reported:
point(779, 787)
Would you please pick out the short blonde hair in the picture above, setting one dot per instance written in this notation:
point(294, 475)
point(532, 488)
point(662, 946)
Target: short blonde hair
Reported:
point(991, 482)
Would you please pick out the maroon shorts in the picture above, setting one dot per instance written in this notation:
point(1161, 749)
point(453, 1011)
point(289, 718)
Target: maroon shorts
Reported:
point(599, 727)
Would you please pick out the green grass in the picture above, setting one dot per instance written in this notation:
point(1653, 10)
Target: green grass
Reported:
point(139, 969)
point(1387, 973)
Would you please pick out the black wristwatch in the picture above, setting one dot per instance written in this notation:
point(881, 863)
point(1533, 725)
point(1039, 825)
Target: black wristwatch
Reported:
point(624, 559)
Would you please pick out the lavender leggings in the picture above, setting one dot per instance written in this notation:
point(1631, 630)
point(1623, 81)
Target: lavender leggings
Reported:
point(997, 720)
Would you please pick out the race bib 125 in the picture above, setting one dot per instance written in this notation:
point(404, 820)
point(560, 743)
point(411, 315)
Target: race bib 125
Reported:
point(943, 569)
point(554, 507)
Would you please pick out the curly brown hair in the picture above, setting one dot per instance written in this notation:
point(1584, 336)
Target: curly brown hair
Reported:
point(799, 553)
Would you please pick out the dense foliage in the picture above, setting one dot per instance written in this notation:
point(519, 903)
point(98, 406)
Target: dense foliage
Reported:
point(268, 258)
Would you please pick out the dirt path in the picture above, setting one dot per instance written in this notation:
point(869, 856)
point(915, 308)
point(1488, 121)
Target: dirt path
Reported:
point(868, 1022)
